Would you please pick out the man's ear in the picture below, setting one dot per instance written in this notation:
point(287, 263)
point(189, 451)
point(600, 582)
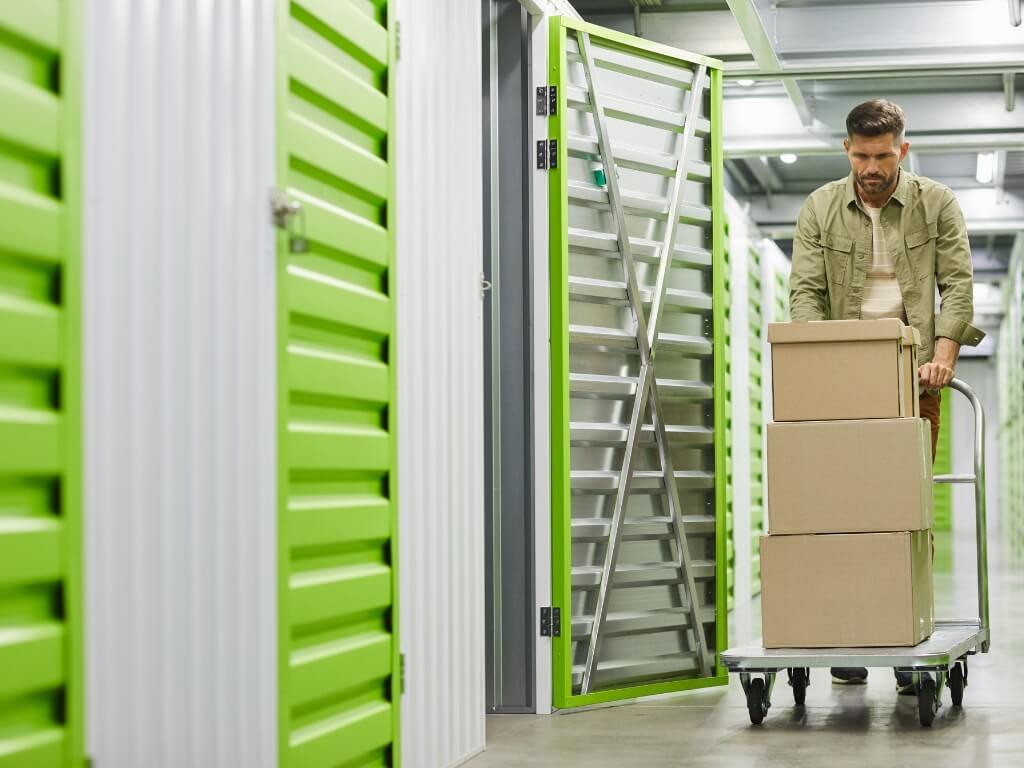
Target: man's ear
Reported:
point(846, 145)
point(904, 150)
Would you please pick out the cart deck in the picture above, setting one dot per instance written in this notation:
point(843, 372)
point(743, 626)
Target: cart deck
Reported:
point(940, 661)
point(951, 641)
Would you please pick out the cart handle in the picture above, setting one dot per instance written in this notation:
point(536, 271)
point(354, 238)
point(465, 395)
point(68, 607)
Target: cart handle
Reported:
point(978, 480)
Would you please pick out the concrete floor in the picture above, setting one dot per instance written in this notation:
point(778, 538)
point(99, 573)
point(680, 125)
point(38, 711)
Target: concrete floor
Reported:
point(840, 726)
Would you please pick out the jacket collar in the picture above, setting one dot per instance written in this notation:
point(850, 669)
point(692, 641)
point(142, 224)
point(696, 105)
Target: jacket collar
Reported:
point(899, 194)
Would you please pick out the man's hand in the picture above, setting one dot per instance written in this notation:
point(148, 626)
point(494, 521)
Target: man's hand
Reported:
point(940, 371)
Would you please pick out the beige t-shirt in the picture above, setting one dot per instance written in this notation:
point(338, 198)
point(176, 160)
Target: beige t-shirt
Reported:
point(882, 296)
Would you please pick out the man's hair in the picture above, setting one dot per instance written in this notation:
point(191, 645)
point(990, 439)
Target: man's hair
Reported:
point(876, 118)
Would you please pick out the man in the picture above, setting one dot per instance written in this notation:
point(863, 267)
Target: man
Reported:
point(876, 244)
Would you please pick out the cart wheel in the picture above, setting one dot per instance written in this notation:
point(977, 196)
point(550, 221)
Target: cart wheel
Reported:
point(926, 703)
point(799, 679)
point(756, 705)
point(956, 684)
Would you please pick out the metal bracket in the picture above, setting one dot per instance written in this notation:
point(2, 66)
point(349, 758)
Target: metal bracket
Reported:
point(550, 622)
point(282, 212)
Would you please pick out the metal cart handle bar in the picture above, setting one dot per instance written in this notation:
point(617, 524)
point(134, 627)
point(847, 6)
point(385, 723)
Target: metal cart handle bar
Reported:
point(978, 480)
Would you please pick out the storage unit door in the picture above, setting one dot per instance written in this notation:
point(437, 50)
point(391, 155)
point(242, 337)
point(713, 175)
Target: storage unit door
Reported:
point(638, 367)
point(40, 544)
point(338, 650)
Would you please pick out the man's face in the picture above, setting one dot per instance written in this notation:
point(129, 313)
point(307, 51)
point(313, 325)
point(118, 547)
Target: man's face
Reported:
point(875, 161)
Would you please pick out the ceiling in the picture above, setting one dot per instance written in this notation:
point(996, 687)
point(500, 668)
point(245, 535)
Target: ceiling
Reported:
point(794, 69)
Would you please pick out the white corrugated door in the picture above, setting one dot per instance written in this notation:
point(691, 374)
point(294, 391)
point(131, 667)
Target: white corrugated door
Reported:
point(179, 384)
point(440, 348)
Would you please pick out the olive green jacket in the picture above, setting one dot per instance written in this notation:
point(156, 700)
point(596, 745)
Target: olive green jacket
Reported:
point(925, 231)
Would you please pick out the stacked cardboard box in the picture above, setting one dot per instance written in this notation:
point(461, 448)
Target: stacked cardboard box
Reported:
point(847, 559)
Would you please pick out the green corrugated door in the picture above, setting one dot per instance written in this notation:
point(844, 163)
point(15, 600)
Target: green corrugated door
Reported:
point(756, 352)
point(40, 620)
point(943, 501)
point(338, 686)
point(730, 479)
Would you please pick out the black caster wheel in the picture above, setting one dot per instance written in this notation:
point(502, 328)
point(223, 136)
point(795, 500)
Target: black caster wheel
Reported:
point(956, 684)
point(927, 705)
point(757, 704)
point(799, 679)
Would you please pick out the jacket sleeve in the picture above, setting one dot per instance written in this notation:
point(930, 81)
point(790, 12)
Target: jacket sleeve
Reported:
point(808, 289)
point(954, 276)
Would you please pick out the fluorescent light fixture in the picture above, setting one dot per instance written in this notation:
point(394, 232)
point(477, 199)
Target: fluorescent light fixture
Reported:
point(788, 158)
point(764, 159)
point(745, 83)
point(986, 167)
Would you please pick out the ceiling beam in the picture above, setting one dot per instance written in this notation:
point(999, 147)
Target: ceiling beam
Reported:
point(999, 177)
point(765, 55)
point(808, 145)
point(858, 69)
point(766, 177)
point(980, 211)
point(737, 173)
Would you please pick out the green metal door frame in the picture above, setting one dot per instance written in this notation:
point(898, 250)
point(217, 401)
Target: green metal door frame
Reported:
point(367, 41)
point(41, 645)
point(561, 535)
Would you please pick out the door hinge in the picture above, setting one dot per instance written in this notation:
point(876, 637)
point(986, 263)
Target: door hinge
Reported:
point(485, 285)
point(398, 40)
point(401, 673)
point(547, 100)
point(550, 622)
point(547, 154)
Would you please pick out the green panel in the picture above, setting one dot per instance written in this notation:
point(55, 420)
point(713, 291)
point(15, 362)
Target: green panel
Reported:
point(41, 698)
point(338, 610)
point(943, 497)
point(568, 651)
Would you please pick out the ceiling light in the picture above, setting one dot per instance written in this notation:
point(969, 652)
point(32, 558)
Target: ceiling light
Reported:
point(745, 83)
point(986, 167)
point(788, 158)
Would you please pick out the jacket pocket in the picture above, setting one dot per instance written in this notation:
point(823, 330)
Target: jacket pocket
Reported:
point(921, 250)
point(837, 257)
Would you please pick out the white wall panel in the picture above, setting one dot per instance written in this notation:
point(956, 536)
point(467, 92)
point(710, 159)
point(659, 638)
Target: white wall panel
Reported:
point(179, 339)
point(440, 380)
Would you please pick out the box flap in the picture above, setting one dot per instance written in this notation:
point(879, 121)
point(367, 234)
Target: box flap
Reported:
point(839, 330)
point(911, 335)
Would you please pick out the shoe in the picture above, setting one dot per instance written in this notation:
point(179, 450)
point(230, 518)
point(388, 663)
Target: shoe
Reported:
point(849, 675)
point(905, 684)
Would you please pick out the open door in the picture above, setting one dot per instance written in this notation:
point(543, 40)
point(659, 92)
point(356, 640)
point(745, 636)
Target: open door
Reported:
point(637, 366)
point(338, 675)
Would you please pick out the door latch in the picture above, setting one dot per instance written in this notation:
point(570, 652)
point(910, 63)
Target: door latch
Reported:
point(283, 213)
point(485, 285)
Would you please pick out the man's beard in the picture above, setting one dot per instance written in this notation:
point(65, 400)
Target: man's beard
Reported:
point(875, 188)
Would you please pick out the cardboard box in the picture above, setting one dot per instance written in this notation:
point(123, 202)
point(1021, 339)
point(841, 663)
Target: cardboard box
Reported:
point(865, 476)
point(846, 590)
point(844, 369)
